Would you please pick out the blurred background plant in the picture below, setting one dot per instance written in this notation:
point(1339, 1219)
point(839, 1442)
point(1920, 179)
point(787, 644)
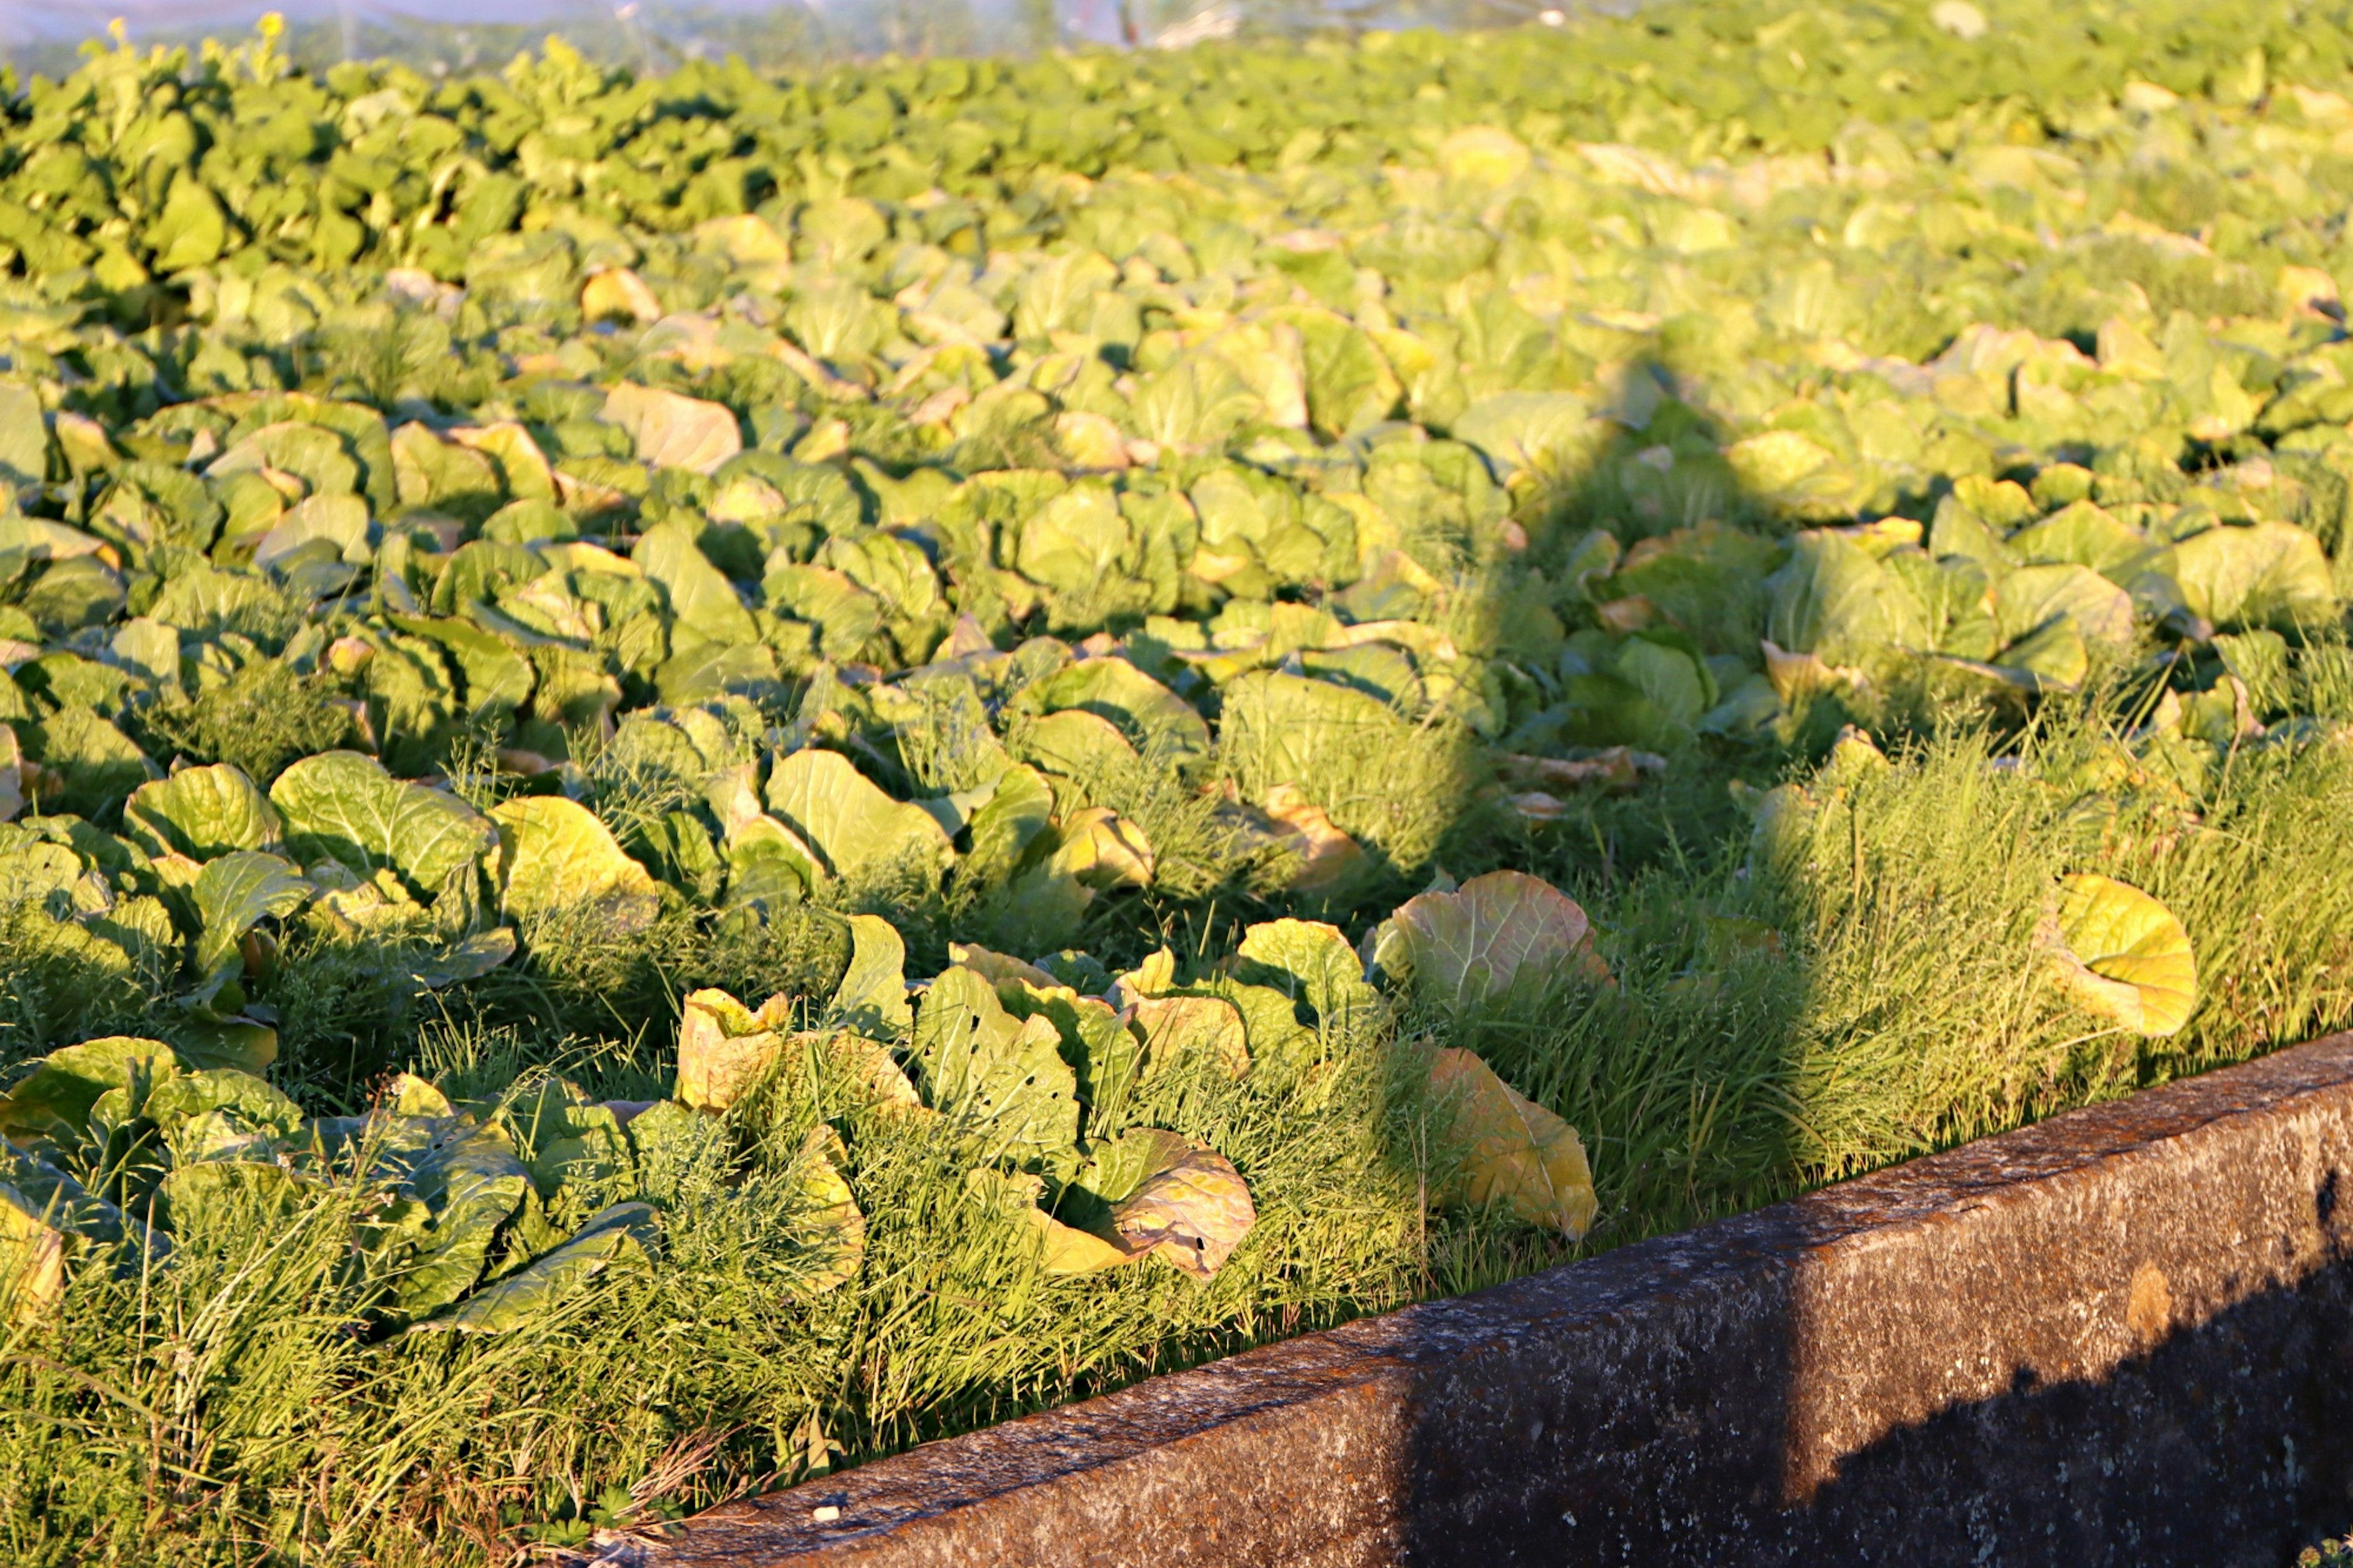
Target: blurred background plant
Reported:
point(648, 36)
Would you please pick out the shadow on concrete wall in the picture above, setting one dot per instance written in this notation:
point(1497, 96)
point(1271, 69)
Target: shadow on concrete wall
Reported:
point(1751, 1418)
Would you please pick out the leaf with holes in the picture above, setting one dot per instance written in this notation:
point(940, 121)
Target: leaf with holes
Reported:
point(1002, 1078)
point(1193, 1212)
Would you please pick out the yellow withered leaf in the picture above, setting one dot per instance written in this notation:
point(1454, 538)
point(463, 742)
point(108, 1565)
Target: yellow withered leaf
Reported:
point(724, 1046)
point(1479, 943)
point(618, 293)
point(2120, 954)
point(998, 968)
point(1515, 1151)
point(872, 1068)
point(672, 430)
point(1328, 857)
point(558, 858)
point(1155, 975)
point(1062, 1249)
point(1104, 850)
point(828, 1228)
point(1174, 1027)
point(1065, 1249)
point(1090, 440)
point(32, 1258)
point(1483, 155)
point(1193, 1212)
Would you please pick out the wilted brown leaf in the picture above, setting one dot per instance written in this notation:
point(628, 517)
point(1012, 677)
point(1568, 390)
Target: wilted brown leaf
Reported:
point(1516, 1152)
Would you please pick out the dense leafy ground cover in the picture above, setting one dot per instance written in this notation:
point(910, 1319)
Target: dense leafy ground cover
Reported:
point(503, 577)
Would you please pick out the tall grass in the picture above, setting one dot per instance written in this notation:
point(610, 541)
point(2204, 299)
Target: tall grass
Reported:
point(1839, 989)
point(1854, 985)
point(226, 1406)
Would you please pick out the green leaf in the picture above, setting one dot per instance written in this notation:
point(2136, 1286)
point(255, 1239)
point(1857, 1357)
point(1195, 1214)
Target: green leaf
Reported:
point(1116, 1169)
point(469, 1183)
point(2032, 597)
point(767, 864)
point(1350, 386)
point(667, 1136)
point(1291, 729)
point(1073, 744)
point(468, 959)
point(242, 1045)
point(1146, 711)
point(557, 857)
point(38, 874)
point(703, 604)
point(24, 443)
point(1075, 542)
point(2269, 572)
point(857, 830)
point(250, 1104)
point(150, 649)
point(337, 523)
point(96, 765)
point(1003, 1081)
point(1312, 962)
point(563, 1136)
point(235, 892)
point(498, 678)
point(872, 995)
point(1528, 429)
point(704, 671)
point(344, 807)
point(847, 616)
point(201, 813)
point(1793, 474)
point(1831, 598)
point(2082, 534)
point(1673, 680)
point(1017, 812)
point(12, 777)
point(54, 1100)
point(226, 1196)
point(317, 455)
point(623, 1235)
point(2052, 658)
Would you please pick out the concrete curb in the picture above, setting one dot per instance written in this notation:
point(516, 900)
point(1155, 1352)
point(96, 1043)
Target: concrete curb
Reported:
point(2124, 1335)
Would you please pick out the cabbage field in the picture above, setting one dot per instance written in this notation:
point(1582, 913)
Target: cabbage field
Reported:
point(703, 775)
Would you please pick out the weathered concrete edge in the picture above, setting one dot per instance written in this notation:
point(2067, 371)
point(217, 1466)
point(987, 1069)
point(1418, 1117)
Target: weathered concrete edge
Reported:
point(1327, 1423)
